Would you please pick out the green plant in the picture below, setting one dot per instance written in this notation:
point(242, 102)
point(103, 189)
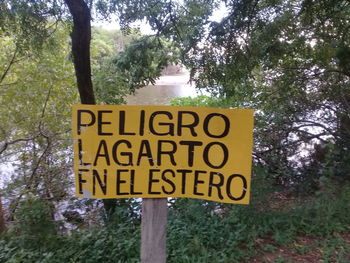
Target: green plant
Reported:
point(35, 226)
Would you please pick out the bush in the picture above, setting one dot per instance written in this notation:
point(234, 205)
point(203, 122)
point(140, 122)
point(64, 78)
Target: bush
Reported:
point(35, 225)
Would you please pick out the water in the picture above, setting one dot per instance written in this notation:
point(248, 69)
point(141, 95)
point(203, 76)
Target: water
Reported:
point(165, 89)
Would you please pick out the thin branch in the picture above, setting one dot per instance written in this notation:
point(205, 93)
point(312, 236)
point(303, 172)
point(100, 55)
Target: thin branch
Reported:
point(311, 137)
point(6, 144)
point(316, 124)
point(12, 61)
point(31, 177)
point(9, 84)
point(39, 160)
point(44, 109)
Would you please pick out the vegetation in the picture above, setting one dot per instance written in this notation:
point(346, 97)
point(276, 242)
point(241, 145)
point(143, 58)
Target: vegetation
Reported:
point(208, 233)
point(287, 59)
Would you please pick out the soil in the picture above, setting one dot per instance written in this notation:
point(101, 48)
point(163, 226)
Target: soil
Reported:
point(305, 249)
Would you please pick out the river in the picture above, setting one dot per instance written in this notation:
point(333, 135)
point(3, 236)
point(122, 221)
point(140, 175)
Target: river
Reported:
point(165, 89)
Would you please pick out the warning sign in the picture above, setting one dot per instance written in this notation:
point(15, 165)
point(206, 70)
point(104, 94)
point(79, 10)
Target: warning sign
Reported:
point(162, 151)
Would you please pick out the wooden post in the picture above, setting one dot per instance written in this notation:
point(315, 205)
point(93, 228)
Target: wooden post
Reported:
point(153, 230)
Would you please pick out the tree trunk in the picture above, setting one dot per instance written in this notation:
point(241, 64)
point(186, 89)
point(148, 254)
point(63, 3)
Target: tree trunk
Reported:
point(81, 37)
point(2, 219)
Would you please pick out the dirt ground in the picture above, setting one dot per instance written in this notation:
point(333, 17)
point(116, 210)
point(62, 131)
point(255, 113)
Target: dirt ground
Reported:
point(305, 249)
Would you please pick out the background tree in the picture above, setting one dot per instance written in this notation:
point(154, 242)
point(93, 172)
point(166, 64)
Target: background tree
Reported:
point(36, 92)
point(30, 26)
point(287, 59)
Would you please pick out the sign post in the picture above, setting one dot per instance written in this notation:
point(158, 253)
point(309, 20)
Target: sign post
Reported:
point(153, 230)
point(155, 152)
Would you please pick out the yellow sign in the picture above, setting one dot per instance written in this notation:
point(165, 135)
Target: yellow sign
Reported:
point(162, 151)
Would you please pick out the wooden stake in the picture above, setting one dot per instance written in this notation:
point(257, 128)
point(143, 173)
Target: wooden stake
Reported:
point(153, 230)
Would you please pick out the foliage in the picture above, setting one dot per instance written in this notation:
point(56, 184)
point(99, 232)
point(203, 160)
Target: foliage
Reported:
point(200, 101)
point(37, 91)
point(112, 244)
point(198, 231)
point(230, 237)
point(286, 59)
point(109, 85)
point(30, 23)
point(124, 63)
point(142, 61)
point(35, 225)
